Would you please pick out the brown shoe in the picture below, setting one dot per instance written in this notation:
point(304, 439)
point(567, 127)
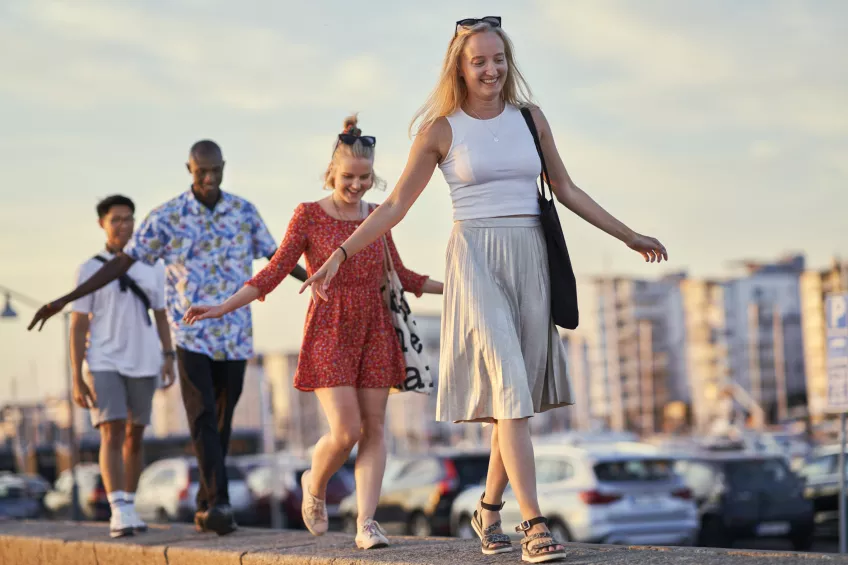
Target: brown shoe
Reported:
point(200, 522)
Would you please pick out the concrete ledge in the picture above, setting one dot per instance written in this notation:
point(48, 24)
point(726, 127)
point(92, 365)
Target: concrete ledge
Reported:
point(70, 543)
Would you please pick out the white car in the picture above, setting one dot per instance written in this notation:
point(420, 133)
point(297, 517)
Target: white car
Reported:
point(167, 490)
point(595, 494)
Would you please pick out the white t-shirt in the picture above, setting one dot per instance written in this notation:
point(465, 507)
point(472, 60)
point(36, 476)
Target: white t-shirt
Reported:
point(119, 337)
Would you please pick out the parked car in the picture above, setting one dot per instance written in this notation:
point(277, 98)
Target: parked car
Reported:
point(37, 487)
point(284, 481)
point(167, 491)
point(742, 496)
point(91, 494)
point(16, 502)
point(821, 474)
point(418, 492)
point(596, 494)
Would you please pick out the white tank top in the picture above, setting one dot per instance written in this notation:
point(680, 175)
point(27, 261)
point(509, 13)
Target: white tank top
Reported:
point(489, 178)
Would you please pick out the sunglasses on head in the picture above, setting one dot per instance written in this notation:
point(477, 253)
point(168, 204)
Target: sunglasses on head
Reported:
point(350, 139)
point(494, 21)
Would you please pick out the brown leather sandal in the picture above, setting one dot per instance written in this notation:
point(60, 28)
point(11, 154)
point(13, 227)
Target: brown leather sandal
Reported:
point(536, 553)
point(492, 543)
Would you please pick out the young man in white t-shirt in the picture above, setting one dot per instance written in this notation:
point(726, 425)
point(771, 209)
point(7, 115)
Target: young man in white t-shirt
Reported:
point(112, 330)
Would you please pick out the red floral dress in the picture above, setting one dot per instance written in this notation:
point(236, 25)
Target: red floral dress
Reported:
point(349, 340)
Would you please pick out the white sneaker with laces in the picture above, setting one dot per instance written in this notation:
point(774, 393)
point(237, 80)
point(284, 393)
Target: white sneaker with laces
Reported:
point(313, 509)
point(135, 520)
point(370, 535)
point(120, 523)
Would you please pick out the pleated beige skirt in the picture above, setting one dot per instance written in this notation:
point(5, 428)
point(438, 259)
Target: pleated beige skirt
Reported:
point(501, 356)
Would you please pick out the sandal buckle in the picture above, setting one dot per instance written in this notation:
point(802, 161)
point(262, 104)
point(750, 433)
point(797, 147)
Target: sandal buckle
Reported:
point(527, 524)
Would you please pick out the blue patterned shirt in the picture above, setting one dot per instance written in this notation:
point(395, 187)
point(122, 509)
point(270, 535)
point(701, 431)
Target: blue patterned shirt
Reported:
point(208, 256)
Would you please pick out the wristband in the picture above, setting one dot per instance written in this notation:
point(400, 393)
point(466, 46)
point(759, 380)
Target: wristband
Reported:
point(169, 353)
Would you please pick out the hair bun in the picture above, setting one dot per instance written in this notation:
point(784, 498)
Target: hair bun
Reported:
point(350, 125)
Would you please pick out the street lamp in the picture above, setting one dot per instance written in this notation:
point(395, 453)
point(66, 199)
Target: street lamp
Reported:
point(9, 313)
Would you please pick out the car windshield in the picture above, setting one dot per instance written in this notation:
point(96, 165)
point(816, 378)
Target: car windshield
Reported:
point(471, 470)
point(11, 489)
point(634, 470)
point(756, 471)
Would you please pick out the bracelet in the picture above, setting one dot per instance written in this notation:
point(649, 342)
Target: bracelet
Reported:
point(343, 251)
point(169, 353)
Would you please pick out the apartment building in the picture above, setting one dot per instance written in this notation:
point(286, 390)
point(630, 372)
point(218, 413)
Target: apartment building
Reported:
point(815, 285)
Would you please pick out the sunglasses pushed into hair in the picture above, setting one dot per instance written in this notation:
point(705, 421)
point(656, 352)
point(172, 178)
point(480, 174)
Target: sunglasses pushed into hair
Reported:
point(350, 139)
point(494, 21)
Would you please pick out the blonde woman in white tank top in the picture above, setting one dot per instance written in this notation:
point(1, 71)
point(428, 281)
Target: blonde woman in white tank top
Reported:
point(500, 359)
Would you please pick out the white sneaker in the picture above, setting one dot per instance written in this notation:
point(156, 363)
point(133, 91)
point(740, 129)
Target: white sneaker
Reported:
point(135, 520)
point(313, 509)
point(120, 524)
point(370, 535)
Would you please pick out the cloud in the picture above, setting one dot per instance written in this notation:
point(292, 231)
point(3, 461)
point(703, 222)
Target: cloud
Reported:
point(687, 67)
point(764, 150)
point(90, 54)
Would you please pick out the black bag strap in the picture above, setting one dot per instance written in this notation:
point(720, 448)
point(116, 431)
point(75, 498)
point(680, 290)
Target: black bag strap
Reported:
point(127, 281)
point(528, 117)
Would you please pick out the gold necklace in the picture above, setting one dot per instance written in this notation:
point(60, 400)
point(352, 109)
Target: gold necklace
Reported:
point(485, 123)
point(339, 212)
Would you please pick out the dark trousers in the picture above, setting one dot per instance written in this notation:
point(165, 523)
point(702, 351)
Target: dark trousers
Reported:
point(210, 392)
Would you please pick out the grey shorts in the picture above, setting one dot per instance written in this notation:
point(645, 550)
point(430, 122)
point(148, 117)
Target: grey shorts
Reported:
point(122, 398)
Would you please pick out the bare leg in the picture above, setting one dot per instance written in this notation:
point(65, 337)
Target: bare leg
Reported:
point(341, 406)
point(496, 481)
point(111, 444)
point(516, 450)
point(371, 457)
point(132, 456)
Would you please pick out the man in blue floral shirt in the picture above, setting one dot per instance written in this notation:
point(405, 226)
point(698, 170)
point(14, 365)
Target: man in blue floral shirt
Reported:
point(208, 240)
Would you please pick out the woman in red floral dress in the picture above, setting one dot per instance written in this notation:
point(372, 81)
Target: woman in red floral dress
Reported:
point(350, 355)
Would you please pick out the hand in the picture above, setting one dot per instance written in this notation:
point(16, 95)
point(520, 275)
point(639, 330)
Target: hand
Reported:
point(197, 313)
point(650, 248)
point(168, 374)
point(323, 277)
point(84, 397)
point(46, 312)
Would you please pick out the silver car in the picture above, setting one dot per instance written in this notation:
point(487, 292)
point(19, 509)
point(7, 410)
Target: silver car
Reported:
point(167, 490)
point(596, 494)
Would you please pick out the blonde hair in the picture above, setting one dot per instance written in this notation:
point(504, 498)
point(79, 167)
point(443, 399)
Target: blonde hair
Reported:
point(358, 150)
point(450, 92)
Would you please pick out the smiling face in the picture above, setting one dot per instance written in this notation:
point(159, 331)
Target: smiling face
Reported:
point(207, 172)
point(118, 223)
point(483, 65)
point(353, 177)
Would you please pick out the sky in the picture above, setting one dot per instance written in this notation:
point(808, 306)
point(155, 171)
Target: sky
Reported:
point(719, 127)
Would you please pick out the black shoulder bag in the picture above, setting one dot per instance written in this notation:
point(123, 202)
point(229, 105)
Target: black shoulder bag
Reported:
point(563, 284)
point(127, 282)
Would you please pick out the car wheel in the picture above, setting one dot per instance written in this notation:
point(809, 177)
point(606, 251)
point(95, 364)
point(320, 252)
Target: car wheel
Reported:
point(713, 534)
point(803, 540)
point(559, 531)
point(349, 524)
point(464, 529)
point(162, 516)
point(419, 525)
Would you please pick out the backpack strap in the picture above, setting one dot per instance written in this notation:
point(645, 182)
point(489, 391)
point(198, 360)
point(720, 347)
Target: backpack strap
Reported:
point(127, 282)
